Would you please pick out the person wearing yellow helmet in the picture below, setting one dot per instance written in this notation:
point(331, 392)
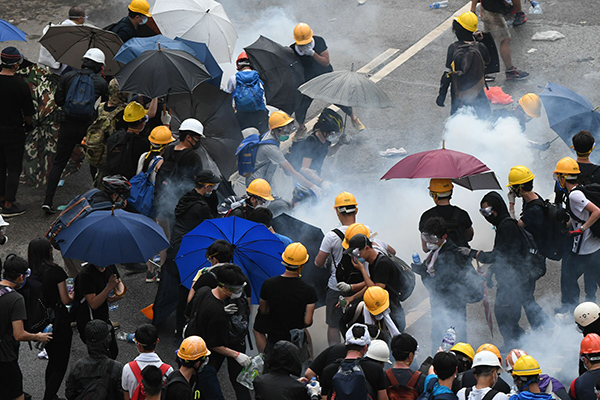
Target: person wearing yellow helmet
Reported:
point(464, 355)
point(527, 377)
point(131, 25)
point(528, 107)
point(258, 194)
point(192, 357)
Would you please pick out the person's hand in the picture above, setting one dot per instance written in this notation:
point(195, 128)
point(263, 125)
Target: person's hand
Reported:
point(113, 281)
point(478, 35)
point(344, 287)
point(243, 360)
point(326, 186)
point(231, 309)
point(440, 100)
point(357, 264)
point(303, 380)
point(468, 252)
point(165, 117)
point(575, 233)
point(44, 337)
point(511, 196)
point(317, 191)
point(309, 52)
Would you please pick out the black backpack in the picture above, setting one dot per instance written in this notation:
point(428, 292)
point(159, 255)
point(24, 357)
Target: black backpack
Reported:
point(168, 170)
point(100, 388)
point(531, 257)
point(171, 379)
point(118, 154)
point(350, 382)
point(468, 71)
point(586, 178)
point(344, 270)
point(592, 193)
point(406, 279)
point(39, 315)
point(555, 230)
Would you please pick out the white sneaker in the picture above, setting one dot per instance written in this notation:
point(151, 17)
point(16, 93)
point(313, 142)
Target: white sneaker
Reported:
point(43, 355)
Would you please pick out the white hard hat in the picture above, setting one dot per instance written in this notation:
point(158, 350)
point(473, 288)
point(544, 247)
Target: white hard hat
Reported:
point(486, 358)
point(96, 55)
point(586, 313)
point(192, 124)
point(379, 351)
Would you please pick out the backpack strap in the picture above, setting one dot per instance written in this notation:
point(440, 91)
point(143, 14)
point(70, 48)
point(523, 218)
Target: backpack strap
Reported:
point(137, 372)
point(489, 395)
point(155, 161)
point(412, 383)
point(392, 378)
point(571, 214)
point(339, 233)
point(164, 368)
point(468, 392)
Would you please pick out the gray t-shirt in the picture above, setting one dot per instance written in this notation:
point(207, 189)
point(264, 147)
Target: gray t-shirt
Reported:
point(12, 308)
point(268, 158)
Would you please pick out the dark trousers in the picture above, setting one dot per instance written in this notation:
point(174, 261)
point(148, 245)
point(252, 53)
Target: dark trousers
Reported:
point(256, 119)
point(305, 102)
point(59, 351)
point(536, 316)
point(507, 309)
point(573, 266)
point(70, 134)
point(208, 382)
point(11, 165)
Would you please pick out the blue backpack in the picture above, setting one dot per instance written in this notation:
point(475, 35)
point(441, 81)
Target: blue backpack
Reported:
point(248, 93)
point(141, 196)
point(81, 97)
point(350, 382)
point(246, 153)
point(428, 393)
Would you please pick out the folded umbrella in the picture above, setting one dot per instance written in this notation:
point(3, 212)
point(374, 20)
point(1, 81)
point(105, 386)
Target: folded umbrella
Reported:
point(10, 32)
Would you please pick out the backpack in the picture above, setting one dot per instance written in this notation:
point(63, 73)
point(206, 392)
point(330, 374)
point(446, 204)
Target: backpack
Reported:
point(168, 169)
point(141, 196)
point(488, 396)
point(81, 97)
point(138, 393)
point(39, 315)
point(555, 230)
point(401, 392)
point(531, 257)
point(350, 382)
point(100, 388)
point(585, 178)
point(468, 71)
point(428, 393)
point(173, 378)
point(77, 208)
point(238, 323)
point(406, 277)
point(246, 153)
point(592, 193)
point(344, 270)
point(98, 133)
point(248, 94)
point(118, 154)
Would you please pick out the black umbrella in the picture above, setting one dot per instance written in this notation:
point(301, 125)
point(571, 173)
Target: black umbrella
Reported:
point(280, 70)
point(157, 73)
point(311, 237)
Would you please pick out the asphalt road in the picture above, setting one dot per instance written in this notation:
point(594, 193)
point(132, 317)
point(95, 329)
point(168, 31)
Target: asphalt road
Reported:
point(356, 35)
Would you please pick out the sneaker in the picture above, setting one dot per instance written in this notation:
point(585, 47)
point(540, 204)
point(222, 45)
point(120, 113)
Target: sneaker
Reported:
point(43, 355)
point(151, 277)
point(48, 209)
point(490, 78)
point(358, 125)
point(520, 19)
point(13, 211)
point(515, 73)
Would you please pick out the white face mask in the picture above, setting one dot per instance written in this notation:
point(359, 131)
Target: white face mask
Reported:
point(432, 246)
point(379, 317)
point(236, 295)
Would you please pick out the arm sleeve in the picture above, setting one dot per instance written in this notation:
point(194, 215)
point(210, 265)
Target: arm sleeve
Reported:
point(507, 237)
point(19, 312)
point(86, 284)
point(275, 155)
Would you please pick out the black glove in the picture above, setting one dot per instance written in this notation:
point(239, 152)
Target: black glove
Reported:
point(440, 100)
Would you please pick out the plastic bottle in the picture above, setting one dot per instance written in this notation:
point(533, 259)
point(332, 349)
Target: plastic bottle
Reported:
point(246, 377)
point(48, 329)
point(415, 258)
point(439, 4)
point(115, 305)
point(312, 384)
point(449, 339)
point(343, 302)
point(126, 337)
point(536, 8)
point(70, 285)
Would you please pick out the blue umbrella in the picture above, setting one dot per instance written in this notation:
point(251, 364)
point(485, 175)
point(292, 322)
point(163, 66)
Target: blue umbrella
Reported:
point(203, 54)
point(106, 237)
point(256, 250)
point(11, 32)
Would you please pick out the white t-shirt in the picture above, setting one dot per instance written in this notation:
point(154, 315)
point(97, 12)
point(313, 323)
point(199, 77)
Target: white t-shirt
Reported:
point(152, 175)
point(128, 380)
point(479, 394)
point(589, 243)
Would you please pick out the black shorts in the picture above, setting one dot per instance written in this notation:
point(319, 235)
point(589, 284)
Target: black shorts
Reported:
point(333, 314)
point(12, 379)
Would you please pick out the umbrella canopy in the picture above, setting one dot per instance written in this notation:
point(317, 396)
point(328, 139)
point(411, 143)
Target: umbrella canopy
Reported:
point(10, 32)
point(198, 20)
point(202, 53)
point(346, 88)
point(157, 73)
point(280, 70)
point(464, 169)
point(256, 250)
point(68, 43)
point(106, 237)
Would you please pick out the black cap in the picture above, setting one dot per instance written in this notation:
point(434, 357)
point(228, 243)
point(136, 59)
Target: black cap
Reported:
point(10, 56)
point(207, 176)
point(96, 331)
point(358, 241)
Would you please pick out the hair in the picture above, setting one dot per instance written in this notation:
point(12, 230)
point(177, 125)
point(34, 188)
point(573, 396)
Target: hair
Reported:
point(357, 332)
point(147, 336)
point(261, 215)
point(134, 124)
point(373, 331)
point(133, 14)
point(76, 12)
point(583, 142)
point(14, 266)
point(230, 274)
point(186, 133)
point(222, 250)
point(444, 364)
point(484, 370)
point(39, 255)
point(152, 380)
point(527, 186)
point(436, 226)
point(461, 33)
point(91, 64)
point(402, 345)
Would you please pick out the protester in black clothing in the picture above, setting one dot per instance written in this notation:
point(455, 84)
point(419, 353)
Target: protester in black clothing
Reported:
point(127, 28)
point(16, 111)
point(404, 349)
point(73, 128)
point(192, 357)
point(258, 193)
point(221, 251)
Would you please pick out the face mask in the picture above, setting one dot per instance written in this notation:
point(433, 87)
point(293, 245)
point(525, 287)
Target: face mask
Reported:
point(432, 246)
point(236, 295)
point(144, 20)
point(361, 260)
point(196, 145)
point(283, 138)
point(333, 137)
point(379, 317)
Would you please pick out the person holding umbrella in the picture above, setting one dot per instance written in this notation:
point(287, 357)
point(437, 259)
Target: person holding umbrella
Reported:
point(127, 28)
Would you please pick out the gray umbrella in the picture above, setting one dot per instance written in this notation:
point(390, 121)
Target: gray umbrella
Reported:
point(347, 88)
point(68, 44)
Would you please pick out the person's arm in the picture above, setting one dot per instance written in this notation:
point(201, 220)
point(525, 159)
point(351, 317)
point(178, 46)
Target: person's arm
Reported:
point(21, 335)
point(320, 259)
point(263, 307)
point(96, 300)
point(594, 216)
point(308, 173)
point(469, 233)
point(289, 170)
point(368, 281)
point(126, 395)
point(226, 351)
point(322, 58)
point(382, 395)
point(65, 296)
point(308, 314)
point(474, 5)
point(152, 107)
point(191, 294)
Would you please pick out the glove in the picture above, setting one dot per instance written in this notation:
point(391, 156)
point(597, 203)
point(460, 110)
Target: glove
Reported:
point(165, 118)
point(575, 233)
point(440, 100)
point(243, 360)
point(465, 251)
point(309, 52)
point(326, 186)
point(299, 50)
point(344, 287)
point(314, 389)
point(317, 191)
point(511, 196)
point(230, 309)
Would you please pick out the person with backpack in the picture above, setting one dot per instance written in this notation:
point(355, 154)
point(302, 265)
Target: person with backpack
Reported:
point(465, 69)
point(584, 386)
point(401, 381)
point(258, 194)
point(97, 375)
point(438, 383)
point(146, 339)
point(192, 358)
point(527, 377)
point(12, 314)
point(128, 27)
point(468, 379)
point(354, 377)
point(77, 94)
point(486, 368)
point(464, 354)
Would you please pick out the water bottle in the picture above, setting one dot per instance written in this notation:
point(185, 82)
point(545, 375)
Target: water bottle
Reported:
point(343, 302)
point(115, 305)
point(126, 337)
point(439, 4)
point(536, 8)
point(415, 258)
point(48, 329)
point(313, 384)
point(70, 285)
point(449, 339)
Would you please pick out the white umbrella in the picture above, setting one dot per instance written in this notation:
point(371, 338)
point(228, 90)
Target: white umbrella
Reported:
point(202, 21)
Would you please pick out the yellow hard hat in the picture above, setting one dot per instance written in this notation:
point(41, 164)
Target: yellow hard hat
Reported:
point(531, 105)
point(567, 166)
point(468, 20)
point(526, 366)
point(345, 199)
point(440, 185)
point(492, 348)
point(295, 254)
point(193, 348)
point(161, 135)
point(277, 119)
point(134, 112)
point(376, 299)
point(354, 230)
point(464, 348)
point(302, 34)
point(519, 174)
point(260, 188)
point(140, 6)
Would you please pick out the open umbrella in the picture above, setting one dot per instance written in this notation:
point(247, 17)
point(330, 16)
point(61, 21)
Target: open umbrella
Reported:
point(157, 73)
point(68, 43)
point(256, 250)
point(280, 70)
point(111, 237)
point(198, 20)
point(202, 53)
point(10, 32)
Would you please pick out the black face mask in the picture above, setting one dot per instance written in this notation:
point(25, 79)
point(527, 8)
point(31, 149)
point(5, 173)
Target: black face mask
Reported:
point(196, 144)
point(492, 219)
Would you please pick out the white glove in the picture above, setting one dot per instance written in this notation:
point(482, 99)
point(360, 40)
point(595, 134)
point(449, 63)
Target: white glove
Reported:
point(309, 52)
point(243, 360)
point(309, 46)
point(314, 389)
point(299, 50)
point(511, 196)
point(344, 287)
point(317, 191)
point(326, 186)
point(231, 309)
point(165, 118)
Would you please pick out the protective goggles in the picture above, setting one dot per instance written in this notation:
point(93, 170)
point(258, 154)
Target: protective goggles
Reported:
point(428, 238)
point(263, 202)
point(235, 289)
point(27, 273)
point(213, 186)
point(356, 253)
point(486, 211)
point(347, 209)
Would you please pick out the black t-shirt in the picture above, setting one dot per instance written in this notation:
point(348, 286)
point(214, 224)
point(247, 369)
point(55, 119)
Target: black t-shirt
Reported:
point(51, 277)
point(276, 386)
point(12, 308)
point(383, 270)
point(403, 376)
point(328, 356)
point(457, 219)
point(178, 390)
point(496, 6)
point(584, 385)
point(312, 148)
point(533, 218)
point(287, 298)
point(209, 318)
point(93, 281)
point(125, 29)
point(311, 67)
point(373, 373)
point(15, 103)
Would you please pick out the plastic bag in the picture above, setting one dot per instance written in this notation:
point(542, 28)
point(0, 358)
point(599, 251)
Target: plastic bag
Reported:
point(256, 368)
